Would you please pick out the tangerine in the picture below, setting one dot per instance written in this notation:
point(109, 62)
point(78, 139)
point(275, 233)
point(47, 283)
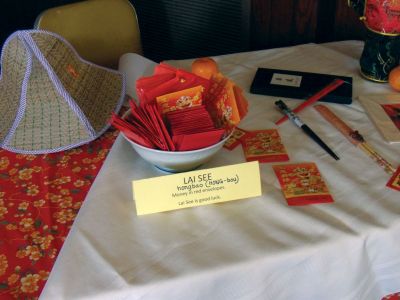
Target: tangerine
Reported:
point(394, 78)
point(204, 67)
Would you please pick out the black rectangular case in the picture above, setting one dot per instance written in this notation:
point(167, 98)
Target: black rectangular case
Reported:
point(300, 85)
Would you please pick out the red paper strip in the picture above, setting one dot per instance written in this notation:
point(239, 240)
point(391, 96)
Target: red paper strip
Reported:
point(326, 90)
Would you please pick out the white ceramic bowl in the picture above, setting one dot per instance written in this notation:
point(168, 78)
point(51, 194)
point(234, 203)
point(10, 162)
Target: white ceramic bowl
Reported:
point(177, 161)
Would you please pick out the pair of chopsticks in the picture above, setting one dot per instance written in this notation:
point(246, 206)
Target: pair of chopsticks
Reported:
point(290, 114)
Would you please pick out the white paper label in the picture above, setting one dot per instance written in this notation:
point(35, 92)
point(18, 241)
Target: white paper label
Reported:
point(286, 79)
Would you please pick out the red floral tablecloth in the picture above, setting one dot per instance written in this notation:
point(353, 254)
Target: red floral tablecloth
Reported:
point(40, 195)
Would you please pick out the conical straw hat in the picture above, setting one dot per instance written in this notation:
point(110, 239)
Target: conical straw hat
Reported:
point(50, 98)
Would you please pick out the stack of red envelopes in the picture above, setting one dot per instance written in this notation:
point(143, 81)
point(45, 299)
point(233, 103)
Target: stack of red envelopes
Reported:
point(193, 128)
point(144, 126)
point(180, 111)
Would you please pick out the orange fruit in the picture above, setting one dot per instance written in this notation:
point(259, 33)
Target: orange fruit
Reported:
point(204, 67)
point(394, 78)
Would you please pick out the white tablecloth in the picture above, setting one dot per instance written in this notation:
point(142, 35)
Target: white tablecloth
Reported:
point(257, 248)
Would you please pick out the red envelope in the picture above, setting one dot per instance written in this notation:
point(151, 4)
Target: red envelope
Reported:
point(145, 127)
point(225, 102)
point(192, 128)
point(217, 83)
point(235, 138)
point(221, 102)
point(163, 68)
point(157, 127)
point(183, 80)
point(144, 84)
point(180, 100)
point(302, 184)
point(147, 133)
point(190, 120)
point(197, 140)
point(264, 146)
point(394, 181)
point(164, 131)
point(241, 101)
point(130, 131)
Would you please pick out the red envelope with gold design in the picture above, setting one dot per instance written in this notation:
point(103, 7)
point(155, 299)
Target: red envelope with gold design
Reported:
point(180, 99)
point(264, 146)
point(182, 80)
point(235, 138)
point(394, 181)
point(221, 102)
point(302, 184)
point(241, 101)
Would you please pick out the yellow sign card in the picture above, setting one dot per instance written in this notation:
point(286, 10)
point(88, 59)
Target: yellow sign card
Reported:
point(197, 188)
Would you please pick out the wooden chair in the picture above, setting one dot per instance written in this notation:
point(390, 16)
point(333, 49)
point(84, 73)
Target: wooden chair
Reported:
point(100, 30)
